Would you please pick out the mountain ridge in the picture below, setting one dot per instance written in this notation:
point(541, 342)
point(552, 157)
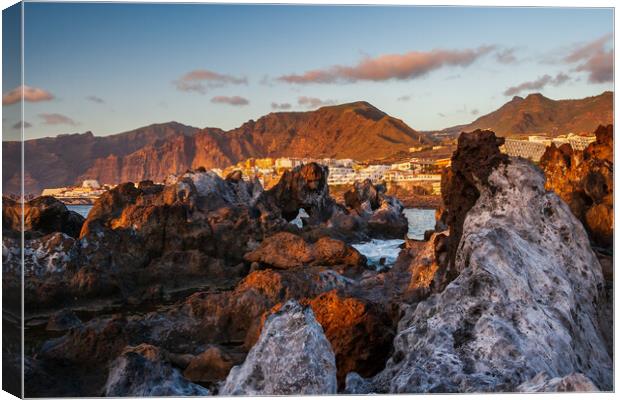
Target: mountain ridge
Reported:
point(355, 130)
point(539, 114)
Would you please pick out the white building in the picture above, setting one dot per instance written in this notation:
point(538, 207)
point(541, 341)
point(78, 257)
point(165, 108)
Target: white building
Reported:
point(91, 184)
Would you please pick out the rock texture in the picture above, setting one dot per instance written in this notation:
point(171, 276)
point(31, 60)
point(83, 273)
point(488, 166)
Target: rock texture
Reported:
point(524, 302)
point(476, 156)
point(286, 250)
point(142, 371)
point(584, 180)
point(42, 216)
point(574, 382)
point(292, 356)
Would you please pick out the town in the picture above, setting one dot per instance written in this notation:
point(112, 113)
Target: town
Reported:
point(421, 168)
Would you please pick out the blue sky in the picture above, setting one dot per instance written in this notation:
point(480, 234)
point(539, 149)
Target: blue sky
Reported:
point(108, 68)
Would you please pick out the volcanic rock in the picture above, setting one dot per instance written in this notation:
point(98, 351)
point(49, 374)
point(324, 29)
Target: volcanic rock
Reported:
point(584, 180)
point(212, 365)
point(292, 356)
point(42, 216)
point(524, 302)
point(476, 156)
point(360, 332)
point(304, 187)
point(63, 320)
point(143, 371)
point(286, 250)
point(574, 382)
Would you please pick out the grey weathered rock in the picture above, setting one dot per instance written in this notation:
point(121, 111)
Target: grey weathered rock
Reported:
point(142, 371)
point(292, 356)
point(574, 382)
point(524, 302)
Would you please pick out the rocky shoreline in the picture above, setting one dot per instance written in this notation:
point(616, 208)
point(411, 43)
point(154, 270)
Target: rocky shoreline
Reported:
point(506, 294)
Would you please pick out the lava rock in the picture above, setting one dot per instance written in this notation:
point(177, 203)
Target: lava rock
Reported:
point(292, 356)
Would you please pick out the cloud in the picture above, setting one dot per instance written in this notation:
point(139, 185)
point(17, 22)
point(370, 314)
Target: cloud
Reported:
point(18, 125)
point(201, 80)
point(281, 106)
point(404, 98)
point(313, 102)
point(475, 111)
point(506, 56)
point(537, 84)
point(231, 100)
point(57, 119)
point(594, 58)
point(406, 66)
point(95, 99)
point(32, 94)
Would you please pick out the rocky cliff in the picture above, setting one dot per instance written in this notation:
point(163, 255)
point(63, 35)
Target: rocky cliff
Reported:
point(356, 130)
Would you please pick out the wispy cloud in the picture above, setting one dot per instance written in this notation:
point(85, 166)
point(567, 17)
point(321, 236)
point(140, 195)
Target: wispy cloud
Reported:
point(313, 102)
point(595, 59)
point(281, 106)
point(95, 99)
point(57, 119)
point(201, 80)
point(32, 94)
point(231, 100)
point(506, 56)
point(537, 84)
point(405, 66)
point(18, 125)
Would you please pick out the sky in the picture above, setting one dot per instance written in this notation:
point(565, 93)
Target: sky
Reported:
point(109, 68)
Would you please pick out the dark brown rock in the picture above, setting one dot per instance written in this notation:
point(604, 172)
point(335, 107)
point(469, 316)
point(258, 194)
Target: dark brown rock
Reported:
point(42, 215)
point(477, 154)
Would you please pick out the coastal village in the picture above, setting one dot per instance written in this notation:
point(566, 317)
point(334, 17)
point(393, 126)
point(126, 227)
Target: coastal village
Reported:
point(421, 169)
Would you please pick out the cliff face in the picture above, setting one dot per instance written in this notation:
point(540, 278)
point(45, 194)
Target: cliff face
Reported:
point(537, 113)
point(355, 130)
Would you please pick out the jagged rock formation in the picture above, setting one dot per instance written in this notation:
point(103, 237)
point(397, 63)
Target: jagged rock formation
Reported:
point(142, 371)
point(476, 156)
point(524, 301)
point(292, 356)
point(584, 180)
point(42, 216)
point(304, 187)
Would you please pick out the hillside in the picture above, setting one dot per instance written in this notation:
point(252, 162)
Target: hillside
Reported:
point(356, 130)
point(539, 114)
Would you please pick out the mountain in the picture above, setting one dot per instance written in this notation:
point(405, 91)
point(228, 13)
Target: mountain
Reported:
point(539, 114)
point(355, 130)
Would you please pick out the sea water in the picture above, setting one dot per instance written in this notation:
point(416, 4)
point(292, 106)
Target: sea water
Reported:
point(420, 220)
point(82, 209)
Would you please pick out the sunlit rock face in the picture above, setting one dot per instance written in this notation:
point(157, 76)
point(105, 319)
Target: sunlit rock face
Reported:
point(524, 301)
point(292, 356)
point(286, 250)
point(584, 180)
